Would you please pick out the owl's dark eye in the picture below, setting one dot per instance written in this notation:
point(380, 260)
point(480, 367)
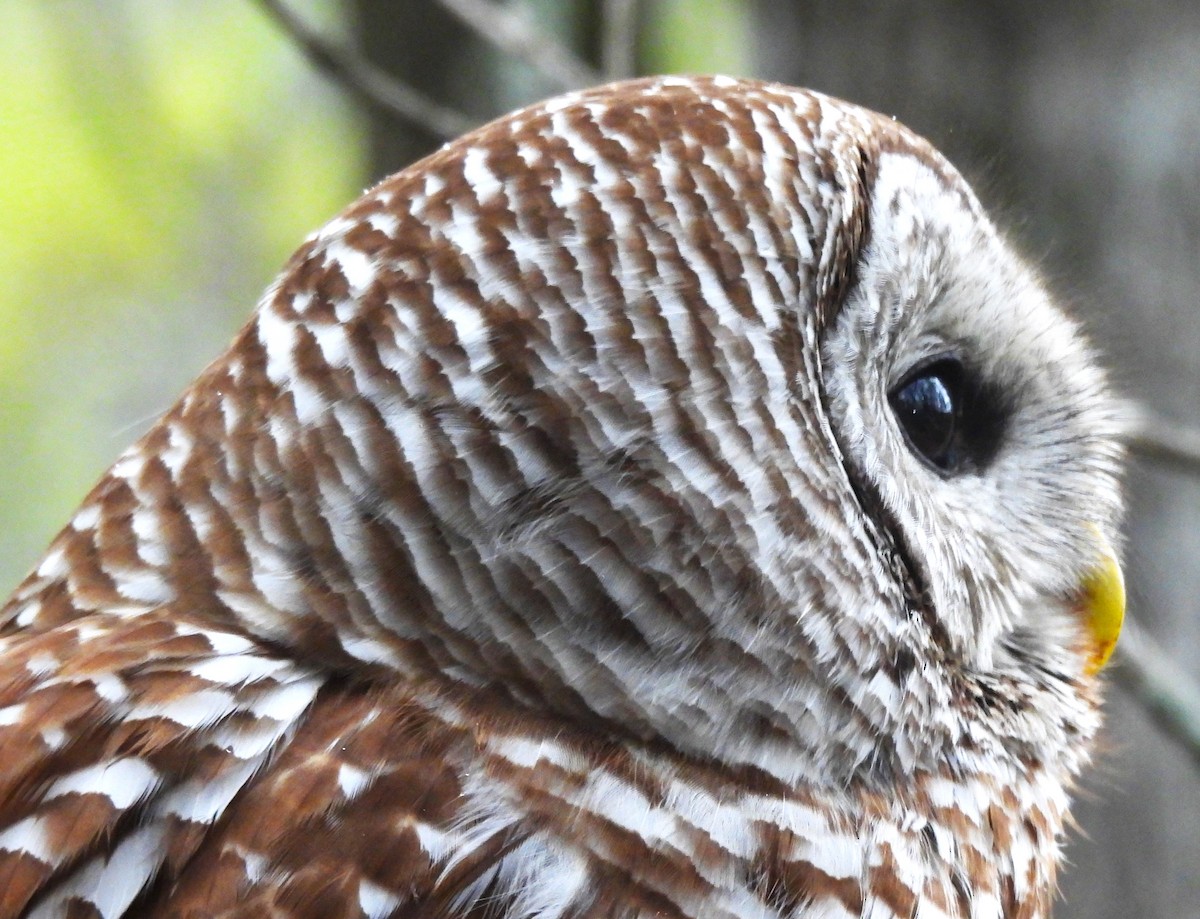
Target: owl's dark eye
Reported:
point(950, 420)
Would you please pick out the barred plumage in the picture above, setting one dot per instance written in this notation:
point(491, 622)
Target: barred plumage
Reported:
point(547, 545)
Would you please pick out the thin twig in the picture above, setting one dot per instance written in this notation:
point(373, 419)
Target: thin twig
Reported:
point(512, 32)
point(618, 52)
point(1169, 694)
point(1163, 442)
point(358, 75)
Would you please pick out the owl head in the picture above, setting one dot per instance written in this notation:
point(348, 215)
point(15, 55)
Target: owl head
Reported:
point(702, 412)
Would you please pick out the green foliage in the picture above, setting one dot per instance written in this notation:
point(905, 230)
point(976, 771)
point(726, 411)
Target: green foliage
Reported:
point(160, 160)
point(697, 36)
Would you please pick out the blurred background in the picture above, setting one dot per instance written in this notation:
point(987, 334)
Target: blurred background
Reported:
point(161, 158)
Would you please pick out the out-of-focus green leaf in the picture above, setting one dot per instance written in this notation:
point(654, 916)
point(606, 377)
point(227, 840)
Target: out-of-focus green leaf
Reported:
point(697, 36)
point(160, 160)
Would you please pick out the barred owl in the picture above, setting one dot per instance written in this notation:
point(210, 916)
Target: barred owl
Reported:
point(672, 499)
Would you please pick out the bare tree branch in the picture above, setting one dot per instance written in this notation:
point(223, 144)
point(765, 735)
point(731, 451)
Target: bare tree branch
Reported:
point(1161, 441)
point(512, 32)
point(618, 55)
point(1164, 690)
point(375, 87)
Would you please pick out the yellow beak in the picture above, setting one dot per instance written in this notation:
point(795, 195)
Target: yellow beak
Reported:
point(1102, 597)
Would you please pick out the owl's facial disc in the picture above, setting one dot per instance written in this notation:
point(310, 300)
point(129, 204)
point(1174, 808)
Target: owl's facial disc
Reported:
point(955, 424)
point(970, 408)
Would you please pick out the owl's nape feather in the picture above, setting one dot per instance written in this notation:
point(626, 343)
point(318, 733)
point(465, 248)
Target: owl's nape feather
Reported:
point(551, 544)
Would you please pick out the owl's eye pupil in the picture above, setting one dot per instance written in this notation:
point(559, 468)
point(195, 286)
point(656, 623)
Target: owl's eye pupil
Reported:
point(928, 414)
point(929, 405)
